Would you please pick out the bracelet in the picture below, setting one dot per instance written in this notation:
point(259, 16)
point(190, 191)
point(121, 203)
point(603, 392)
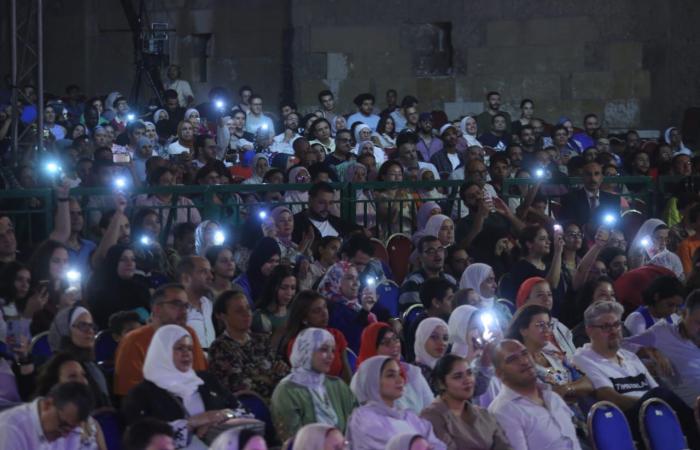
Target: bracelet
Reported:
point(59, 199)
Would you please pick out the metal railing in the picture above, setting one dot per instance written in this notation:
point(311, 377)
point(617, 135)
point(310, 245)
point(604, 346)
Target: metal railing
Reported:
point(391, 207)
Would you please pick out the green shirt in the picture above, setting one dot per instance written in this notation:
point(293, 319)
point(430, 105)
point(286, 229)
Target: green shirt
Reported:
point(293, 407)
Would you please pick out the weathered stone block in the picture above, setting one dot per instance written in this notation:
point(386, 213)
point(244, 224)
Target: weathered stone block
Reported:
point(354, 39)
point(625, 56)
point(435, 91)
point(592, 85)
point(631, 84)
point(503, 33)
point(538, 86)
point(621, 113)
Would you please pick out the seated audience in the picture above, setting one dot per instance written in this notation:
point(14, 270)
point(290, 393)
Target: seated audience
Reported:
point(431, 258)
point(308, 394)
point(168, 307)
point(36, 425)
point(529, 412)
point(191, 402)
point(379, 385)
point(380, 339)
point(662, 299)
point(310, 309)
point(264, 258)
point(73, 331)
point(65, 368)
point(240, 359)
point(430, 345)
point(455, 419)
point(319, 436)
point(149, 434)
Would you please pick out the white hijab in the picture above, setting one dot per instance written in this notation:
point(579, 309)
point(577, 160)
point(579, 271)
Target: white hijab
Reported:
point(366, 381)
point(307, 342)
point(432, 227)
point(159, 368)
point(472, 278)
point(645, 231)
point(312, 436)
point(423, 332)
point(470, 138)
point(458, 327)
point(402, 441)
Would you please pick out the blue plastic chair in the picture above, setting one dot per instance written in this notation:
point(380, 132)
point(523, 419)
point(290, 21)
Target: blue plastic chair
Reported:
point(660, 427)
point(255, 404)
point(40, 348)
point(352, 359)
point(388, 297)
point(105, 347)
point(112, 428)
point(608, 428)
point(410, 315)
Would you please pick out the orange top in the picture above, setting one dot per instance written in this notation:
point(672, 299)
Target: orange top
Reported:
point(131, 354)
point(685, 251)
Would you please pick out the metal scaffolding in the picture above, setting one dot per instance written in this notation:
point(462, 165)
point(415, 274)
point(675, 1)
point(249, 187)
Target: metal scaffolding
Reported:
point(27, 65)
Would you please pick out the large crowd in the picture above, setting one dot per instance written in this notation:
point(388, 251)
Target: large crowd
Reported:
point(488, 311)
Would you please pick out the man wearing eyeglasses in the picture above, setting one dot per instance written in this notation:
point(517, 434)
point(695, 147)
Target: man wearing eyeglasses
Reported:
point(618, 375)
point(431, 255)
point(169, 305)
point(49, 422)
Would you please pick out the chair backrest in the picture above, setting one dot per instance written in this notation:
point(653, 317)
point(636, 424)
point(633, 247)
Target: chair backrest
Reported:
point(40, 347)
point(399, 247)
point(410, 315)
point(388, 297)
point(660, 427)
point(352, 359)
point(380, 250)
point(608, 428)
point(112, 428)
point(258, 407)
point(105, 347)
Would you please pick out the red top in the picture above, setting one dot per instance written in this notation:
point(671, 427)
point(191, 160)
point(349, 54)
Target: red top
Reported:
point(340, 345)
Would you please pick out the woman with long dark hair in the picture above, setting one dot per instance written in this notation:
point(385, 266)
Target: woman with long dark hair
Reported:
point(272, 308)
point(48, 266)
point(115, 287)
point(264, 257)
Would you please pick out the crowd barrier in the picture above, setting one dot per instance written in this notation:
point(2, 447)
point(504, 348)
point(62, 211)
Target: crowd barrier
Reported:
point(32, 210)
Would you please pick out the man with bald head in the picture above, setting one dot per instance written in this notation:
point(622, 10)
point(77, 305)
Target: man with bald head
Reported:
point(531, 414)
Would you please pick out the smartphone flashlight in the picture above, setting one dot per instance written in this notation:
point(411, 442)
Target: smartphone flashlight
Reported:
point(219, 237)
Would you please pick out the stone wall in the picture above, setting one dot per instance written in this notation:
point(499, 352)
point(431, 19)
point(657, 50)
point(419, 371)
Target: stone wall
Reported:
point(633, 62)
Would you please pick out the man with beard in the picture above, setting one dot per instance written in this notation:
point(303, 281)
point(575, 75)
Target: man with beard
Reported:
point(588, 137)
point(318, 216)
point(493, 107)
point(620, 377)
point(283, 141)
point(447, 159)
point(431, 256)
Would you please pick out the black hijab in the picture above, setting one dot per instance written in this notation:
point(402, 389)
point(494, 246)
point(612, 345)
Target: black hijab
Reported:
point(265, 249)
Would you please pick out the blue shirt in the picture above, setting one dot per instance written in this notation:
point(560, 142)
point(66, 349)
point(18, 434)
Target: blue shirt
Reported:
point(80, 259)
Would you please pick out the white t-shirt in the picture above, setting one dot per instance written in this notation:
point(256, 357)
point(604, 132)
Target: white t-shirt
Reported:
point(325, 228)
point(201, 323)
point(372, 120)
point(628, 377)
point(183, 90)
point(454, 160)
point(683, 353)
point(176, 148)
point(635, 322)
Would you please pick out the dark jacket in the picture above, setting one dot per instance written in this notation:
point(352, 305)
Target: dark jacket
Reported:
point(302, 223)
point(575, 207)
point(148, 400)
point(443, 164)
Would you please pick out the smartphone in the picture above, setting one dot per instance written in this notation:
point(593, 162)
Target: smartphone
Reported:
point(121, 158)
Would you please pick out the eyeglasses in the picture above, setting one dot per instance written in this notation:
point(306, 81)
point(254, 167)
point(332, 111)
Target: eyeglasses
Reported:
point(439, 337)
point(433, 251)
point(85, 327)
point(391, 340)
point(608, 327)
point(175, 304)
point(64, 427)
point(543, 326)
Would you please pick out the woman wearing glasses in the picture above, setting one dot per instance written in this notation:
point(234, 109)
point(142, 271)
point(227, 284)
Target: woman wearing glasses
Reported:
point(532, 326)
point(73, 331)
point(380, 339)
